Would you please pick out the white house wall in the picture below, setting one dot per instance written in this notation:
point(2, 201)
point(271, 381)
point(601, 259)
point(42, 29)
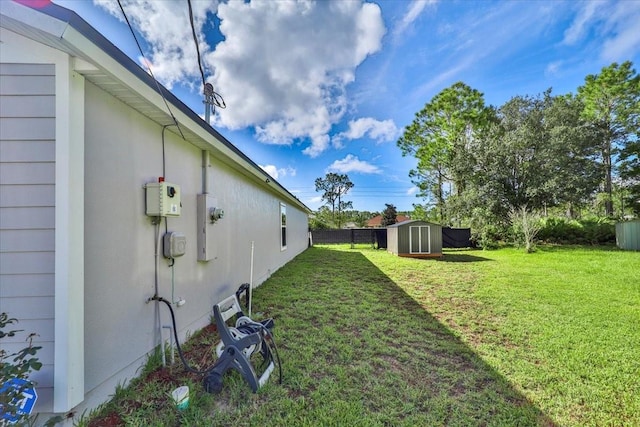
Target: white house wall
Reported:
point(123, 151)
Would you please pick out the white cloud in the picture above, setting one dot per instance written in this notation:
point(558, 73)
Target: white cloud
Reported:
point(165, 27)
point(380, 131)
point(318, 145)
point(624, 36)
point(413, 12)
point(552, 68)
point(613, 25)
point(490, 33)
point(413, 190)
point(284, 66)
point(276, 172)
point(579, 26)
point(351, 163)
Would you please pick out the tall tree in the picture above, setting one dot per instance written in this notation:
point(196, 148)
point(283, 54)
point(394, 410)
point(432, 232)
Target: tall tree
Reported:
point(508, 166)
point(612, 106)
point(441, 137)
point(630, 173)
point(537, 156)
point(574, 173)
point(342, 207)
point(389, 215)
point(335, 186)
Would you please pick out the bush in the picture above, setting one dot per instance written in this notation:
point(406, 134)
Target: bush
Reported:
point(16, 365)
point(489, 236)
point(318, 224)
point(598, 231)
point(525, 226)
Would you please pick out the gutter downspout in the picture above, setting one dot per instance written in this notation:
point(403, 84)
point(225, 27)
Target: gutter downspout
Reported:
point(206, 164)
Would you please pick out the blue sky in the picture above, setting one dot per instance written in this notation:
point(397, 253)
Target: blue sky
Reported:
point(316, 87)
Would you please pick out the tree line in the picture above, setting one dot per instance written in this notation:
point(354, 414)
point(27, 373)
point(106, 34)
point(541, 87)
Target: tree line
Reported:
point(482, 166)
point(337, 212)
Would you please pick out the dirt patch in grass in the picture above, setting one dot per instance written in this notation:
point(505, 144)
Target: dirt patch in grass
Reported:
point(108, 420)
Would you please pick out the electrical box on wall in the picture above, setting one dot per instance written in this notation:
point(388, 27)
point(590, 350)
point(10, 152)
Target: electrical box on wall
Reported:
point(163, 199)
point(208, 214)
point(175, 244)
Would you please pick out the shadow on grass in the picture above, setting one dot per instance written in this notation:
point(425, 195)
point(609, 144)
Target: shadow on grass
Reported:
point(454, 257)
point(359, 351)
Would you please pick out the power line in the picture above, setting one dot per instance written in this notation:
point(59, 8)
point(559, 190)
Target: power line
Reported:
point(211, 97)
point(175, 121)
point(195, 39)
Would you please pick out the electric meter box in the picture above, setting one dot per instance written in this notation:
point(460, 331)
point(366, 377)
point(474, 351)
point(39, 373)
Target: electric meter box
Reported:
point(175, 244)
point(163, 199)
point(208, 213)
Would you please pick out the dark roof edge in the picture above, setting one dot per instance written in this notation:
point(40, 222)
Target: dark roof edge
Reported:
point(410, 221)
point(79, 24)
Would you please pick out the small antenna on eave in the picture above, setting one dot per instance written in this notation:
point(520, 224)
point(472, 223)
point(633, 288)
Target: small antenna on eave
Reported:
point(211, 101)
point(208, 101)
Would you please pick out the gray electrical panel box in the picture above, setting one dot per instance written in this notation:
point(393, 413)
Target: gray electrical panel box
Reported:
point(208, 213)
point(175, 244)
point(163, 199)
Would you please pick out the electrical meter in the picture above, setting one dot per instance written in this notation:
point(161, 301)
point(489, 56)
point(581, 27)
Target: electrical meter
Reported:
point(208, 213)
point(163, 199)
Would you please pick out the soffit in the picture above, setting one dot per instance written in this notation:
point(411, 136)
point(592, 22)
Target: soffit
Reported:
point(105, 67)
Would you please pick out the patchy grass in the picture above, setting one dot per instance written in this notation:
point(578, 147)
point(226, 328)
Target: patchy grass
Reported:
point(480, 338)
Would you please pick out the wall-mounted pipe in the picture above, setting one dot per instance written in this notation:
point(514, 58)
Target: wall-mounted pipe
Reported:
point(251, 278)
point(206, 164)
point(164, 350)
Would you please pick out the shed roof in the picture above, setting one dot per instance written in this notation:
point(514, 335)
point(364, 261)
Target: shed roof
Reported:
point(376, 221)
point(411, 221)
point(106, 66)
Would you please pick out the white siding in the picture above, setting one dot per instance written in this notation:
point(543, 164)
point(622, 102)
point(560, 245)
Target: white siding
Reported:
point(27, 208)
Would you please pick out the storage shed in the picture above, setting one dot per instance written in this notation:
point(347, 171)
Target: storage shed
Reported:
point(628, 235)
point(415, 238)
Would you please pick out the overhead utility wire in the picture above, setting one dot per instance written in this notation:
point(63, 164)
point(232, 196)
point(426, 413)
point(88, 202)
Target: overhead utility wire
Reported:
point(175, 121)
point(195, 39)
point(211, 96)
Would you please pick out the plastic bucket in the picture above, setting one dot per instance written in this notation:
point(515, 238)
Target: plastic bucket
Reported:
point(181, 397)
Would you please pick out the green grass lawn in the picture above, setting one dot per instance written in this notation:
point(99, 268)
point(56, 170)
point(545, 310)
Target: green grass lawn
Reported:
point(478, 338)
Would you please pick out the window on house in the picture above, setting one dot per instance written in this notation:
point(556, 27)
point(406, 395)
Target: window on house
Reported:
point(283, 226)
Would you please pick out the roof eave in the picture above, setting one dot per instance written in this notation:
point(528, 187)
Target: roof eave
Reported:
point(108, 67)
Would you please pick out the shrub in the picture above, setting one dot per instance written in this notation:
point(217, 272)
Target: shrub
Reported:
point(489, 236)
point(15, 365)
point(596, 231)
point(525, 226)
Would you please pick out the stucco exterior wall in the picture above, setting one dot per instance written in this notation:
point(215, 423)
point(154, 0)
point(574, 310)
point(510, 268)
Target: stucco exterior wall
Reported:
point(123, 151)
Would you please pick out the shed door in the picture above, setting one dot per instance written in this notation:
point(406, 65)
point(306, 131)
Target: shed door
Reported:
point(420, 239)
